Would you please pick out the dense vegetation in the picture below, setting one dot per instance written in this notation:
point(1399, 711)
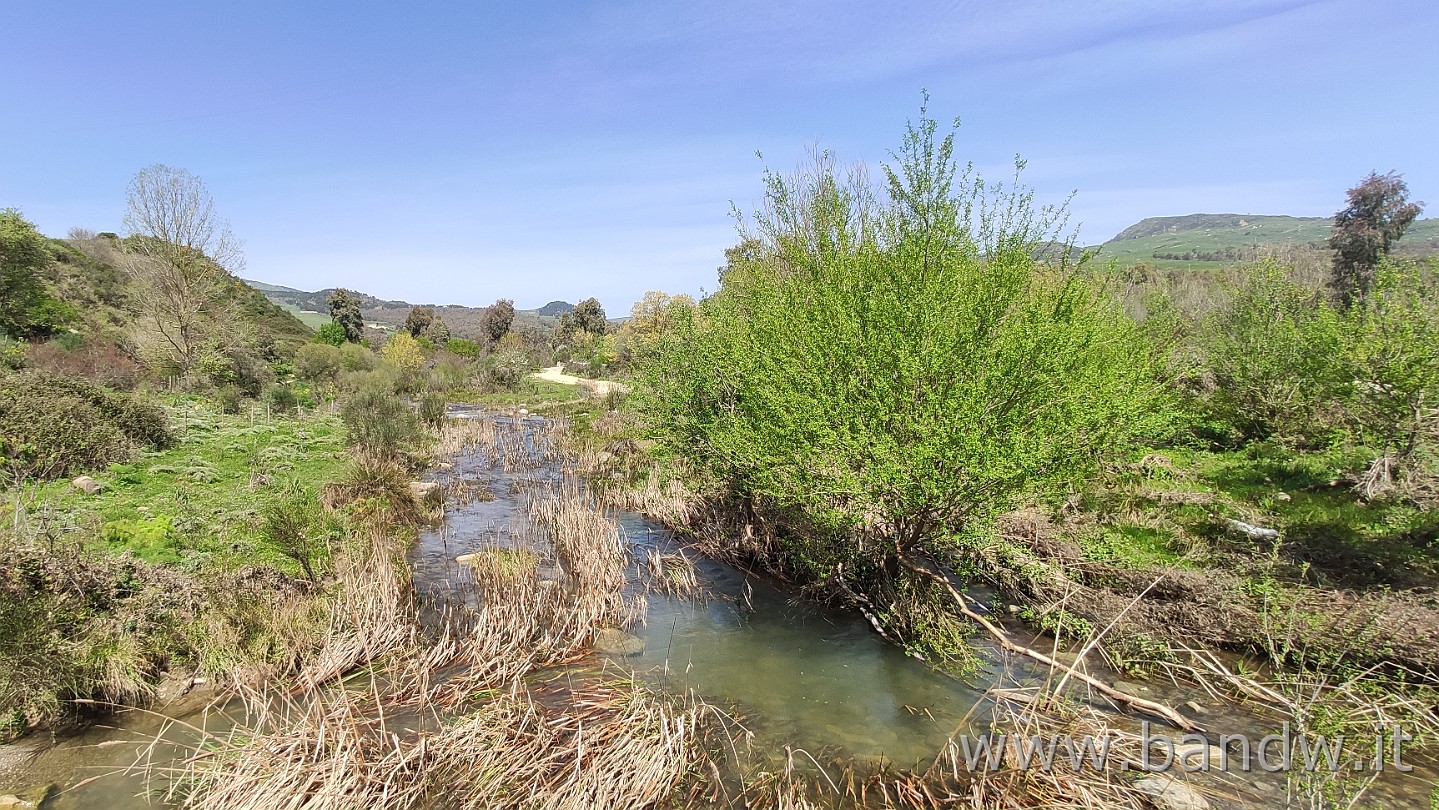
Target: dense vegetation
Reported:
point(902, 379)
point(894, 368)
point(232, 460)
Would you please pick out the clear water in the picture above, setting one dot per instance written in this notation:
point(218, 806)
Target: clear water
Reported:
point(795, 673)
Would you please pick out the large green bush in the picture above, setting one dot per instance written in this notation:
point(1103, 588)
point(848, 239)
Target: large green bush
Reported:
point(52, 425)
point(1274, 350)
point(378, 420)
point(1290, 367)
point(28, 308)
point(1391, 352)
point(318, 363)
point(892, 366)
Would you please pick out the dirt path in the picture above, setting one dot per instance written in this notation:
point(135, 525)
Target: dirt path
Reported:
point(596, 387)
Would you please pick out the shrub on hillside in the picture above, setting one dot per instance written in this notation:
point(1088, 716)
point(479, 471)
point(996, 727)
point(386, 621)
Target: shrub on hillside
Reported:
point(282, 400)
point(228, 398)
point(217, 366)
point(331, 334)
point(354, 357)
point(94, 358)
point(52, 425)
point(318, 363)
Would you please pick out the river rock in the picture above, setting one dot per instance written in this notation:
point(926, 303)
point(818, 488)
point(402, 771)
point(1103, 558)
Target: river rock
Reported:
point(172, 687)
point(424, 490)
point(1167, 794)
point(1191, 755)
point(618, 642)
point(87, 485)
point(35, 797)
point(1252, 531)
point(1131, 689)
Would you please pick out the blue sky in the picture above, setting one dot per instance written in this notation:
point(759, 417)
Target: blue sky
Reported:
point(461, 152)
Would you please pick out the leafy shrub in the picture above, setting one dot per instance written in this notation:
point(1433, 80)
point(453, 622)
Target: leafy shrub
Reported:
point(403, 352)
point(432, 408)
point(1389, 353)
point(378, 420)
point(464, 347)
point(282, 399)
point(377, 487)
point(13, 355)
point(228, 398)
point(450, 371)
point(331, 334)
point(354, 357)
point(293, 524)
point(506, 367)
point(239, 366)
point(95, 358)
point(1275, 350)
point(318, 362)
point(53, 425)
point(896, 363)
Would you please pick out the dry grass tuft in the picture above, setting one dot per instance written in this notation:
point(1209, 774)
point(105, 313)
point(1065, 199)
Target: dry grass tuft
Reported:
point(377, 488)
point(671, 574)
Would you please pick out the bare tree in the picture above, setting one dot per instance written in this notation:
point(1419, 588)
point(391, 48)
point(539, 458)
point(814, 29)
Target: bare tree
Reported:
point(179, 253)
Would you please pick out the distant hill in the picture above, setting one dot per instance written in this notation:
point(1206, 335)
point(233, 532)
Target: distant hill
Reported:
point(313, 308)
point(1209, 239)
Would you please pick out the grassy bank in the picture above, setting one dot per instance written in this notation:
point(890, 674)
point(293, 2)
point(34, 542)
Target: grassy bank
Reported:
point(179, 564)
point(200, 504)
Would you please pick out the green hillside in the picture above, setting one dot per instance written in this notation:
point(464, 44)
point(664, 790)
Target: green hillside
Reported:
point(87, 306)
point(1209, 240)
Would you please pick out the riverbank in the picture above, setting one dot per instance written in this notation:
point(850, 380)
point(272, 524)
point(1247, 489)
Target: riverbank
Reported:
point(700, 713)
point(162, 567)
point(1074, 581)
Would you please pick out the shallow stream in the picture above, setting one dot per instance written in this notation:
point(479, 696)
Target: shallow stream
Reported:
point(795, 673)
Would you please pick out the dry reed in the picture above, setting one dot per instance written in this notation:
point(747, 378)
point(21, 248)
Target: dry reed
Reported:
point(457, 720)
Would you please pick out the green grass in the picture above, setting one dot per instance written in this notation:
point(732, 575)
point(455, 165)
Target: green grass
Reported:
point(314, 320)
point(1134, 546)
point(1326, 529)
point(530, 392)
point(198, 504)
